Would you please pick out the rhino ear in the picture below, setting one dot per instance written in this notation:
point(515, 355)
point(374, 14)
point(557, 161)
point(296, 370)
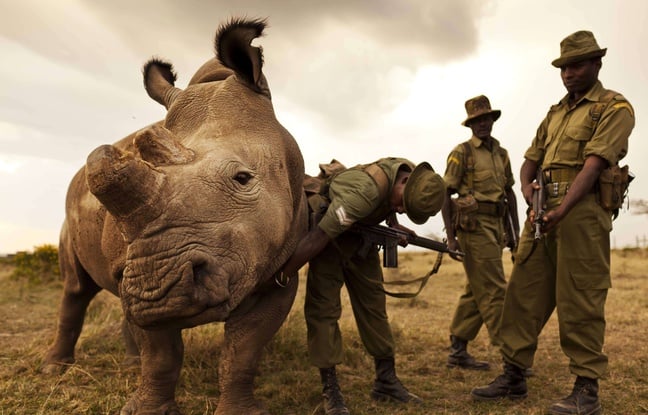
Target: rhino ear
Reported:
point(158, 146)
point(234, 50)
point(159, 81)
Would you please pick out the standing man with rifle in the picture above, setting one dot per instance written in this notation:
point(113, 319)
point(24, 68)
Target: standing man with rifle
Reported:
point(576, 147)
point(476, 222)
point(367, 194)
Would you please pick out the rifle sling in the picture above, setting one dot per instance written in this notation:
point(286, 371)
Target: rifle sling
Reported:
point(421, 280)
point(469, 163)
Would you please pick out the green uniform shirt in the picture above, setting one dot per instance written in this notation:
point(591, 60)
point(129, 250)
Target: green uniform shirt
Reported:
point(492, 174)
point(568, 135)
point(355, 197)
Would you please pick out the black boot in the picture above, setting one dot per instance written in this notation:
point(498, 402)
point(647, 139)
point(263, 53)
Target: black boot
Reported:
point(511, 384)
point(582, 401)
point(333, 400)
point(459, 356)
point(387, 386)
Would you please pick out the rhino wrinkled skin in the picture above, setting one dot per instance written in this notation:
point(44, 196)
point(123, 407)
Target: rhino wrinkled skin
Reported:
point(187, 221)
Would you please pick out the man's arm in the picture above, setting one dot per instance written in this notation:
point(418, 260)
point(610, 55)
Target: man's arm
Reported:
point(580, 187)
point(527, 177)
point(311, 245)
point(446, 213)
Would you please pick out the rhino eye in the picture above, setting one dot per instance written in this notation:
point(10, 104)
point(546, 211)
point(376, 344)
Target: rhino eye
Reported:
point(243, 177)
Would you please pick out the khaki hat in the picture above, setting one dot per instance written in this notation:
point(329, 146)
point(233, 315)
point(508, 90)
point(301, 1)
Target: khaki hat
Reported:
point(424, 193)
point(478, 106)
point(578, 46)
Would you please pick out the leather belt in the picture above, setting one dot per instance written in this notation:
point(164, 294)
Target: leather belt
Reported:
point(558, 189)
point(491, 208)
point(560, 175)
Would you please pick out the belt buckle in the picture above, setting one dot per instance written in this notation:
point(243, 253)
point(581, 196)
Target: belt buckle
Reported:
point(547, 176)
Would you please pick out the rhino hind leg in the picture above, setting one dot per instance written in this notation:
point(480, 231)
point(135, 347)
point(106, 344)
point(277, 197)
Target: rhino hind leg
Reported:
point(79, 289)
point(246, 335)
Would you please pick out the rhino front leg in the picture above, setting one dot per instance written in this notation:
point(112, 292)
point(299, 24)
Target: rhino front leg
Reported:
point(161, 353)
point(245, 337)
point(132, 357)
point(79, 289)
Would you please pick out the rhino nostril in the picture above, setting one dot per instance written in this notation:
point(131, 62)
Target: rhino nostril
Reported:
point(200, 272)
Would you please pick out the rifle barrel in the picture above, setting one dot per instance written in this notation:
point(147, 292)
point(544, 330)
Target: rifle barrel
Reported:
point(428, 243)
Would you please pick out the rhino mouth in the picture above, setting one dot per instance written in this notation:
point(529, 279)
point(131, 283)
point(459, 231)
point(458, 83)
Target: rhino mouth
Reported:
point(174, 295)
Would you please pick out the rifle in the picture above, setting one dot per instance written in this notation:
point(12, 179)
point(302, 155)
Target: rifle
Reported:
point(512, 237)
point(538, 204)
point(388, 239)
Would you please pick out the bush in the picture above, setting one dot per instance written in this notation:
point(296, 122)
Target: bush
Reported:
point(39, 267)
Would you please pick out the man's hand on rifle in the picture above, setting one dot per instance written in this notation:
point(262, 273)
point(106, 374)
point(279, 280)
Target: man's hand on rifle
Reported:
point(527, 192)
point(403, 240)
point(453, 246)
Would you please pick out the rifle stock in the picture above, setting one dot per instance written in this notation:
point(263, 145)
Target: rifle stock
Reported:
point(388, 239)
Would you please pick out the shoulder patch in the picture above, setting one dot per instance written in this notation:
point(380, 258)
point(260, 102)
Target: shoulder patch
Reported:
point(453, 159)
point(623, 104)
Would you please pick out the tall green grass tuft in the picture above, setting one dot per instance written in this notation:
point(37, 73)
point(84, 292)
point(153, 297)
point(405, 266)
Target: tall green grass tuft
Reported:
point(38, 267)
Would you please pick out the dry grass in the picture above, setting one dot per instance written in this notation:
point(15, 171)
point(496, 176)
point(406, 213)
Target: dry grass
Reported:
point(99, 384)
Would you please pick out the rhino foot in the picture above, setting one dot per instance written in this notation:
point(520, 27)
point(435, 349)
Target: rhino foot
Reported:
point(131, 361)
point(135, 406)
point(56, 367)
point(255, 408)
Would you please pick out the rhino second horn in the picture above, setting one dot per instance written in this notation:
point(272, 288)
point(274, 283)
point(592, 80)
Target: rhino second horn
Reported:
point(158, 146)
point(128, 187)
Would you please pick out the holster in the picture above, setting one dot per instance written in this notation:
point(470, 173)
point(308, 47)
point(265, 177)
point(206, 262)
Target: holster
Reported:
point(613, 185)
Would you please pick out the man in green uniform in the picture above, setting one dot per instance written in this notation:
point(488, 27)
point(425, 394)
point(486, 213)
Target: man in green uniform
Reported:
point(479, 169)
point(368, 194)
point(569, 267)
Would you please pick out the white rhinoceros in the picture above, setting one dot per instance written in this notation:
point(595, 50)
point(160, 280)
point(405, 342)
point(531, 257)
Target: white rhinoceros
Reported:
point(187, 221)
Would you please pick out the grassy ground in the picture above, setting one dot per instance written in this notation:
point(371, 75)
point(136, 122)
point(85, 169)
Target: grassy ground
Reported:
point(287, 384)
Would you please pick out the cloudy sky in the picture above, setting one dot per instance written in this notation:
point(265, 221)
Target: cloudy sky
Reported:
point(354, 80)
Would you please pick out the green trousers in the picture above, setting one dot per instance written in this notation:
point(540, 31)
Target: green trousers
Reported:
point(568, 270)
point(339, 264)
point(483, 297)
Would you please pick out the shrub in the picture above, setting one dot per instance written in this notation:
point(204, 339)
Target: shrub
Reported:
point(39, 267)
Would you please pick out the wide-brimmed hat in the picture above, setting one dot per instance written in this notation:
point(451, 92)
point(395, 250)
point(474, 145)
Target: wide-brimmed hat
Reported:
point(424, 193)
point(478, 106)
point(578, 46)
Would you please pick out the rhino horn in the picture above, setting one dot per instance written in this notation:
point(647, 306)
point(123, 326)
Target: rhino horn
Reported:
point(234, 50)
point(128, 187)
point(159, 81)
point(158, 146)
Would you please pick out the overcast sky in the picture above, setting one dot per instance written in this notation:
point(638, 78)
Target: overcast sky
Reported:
point(354, 80)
